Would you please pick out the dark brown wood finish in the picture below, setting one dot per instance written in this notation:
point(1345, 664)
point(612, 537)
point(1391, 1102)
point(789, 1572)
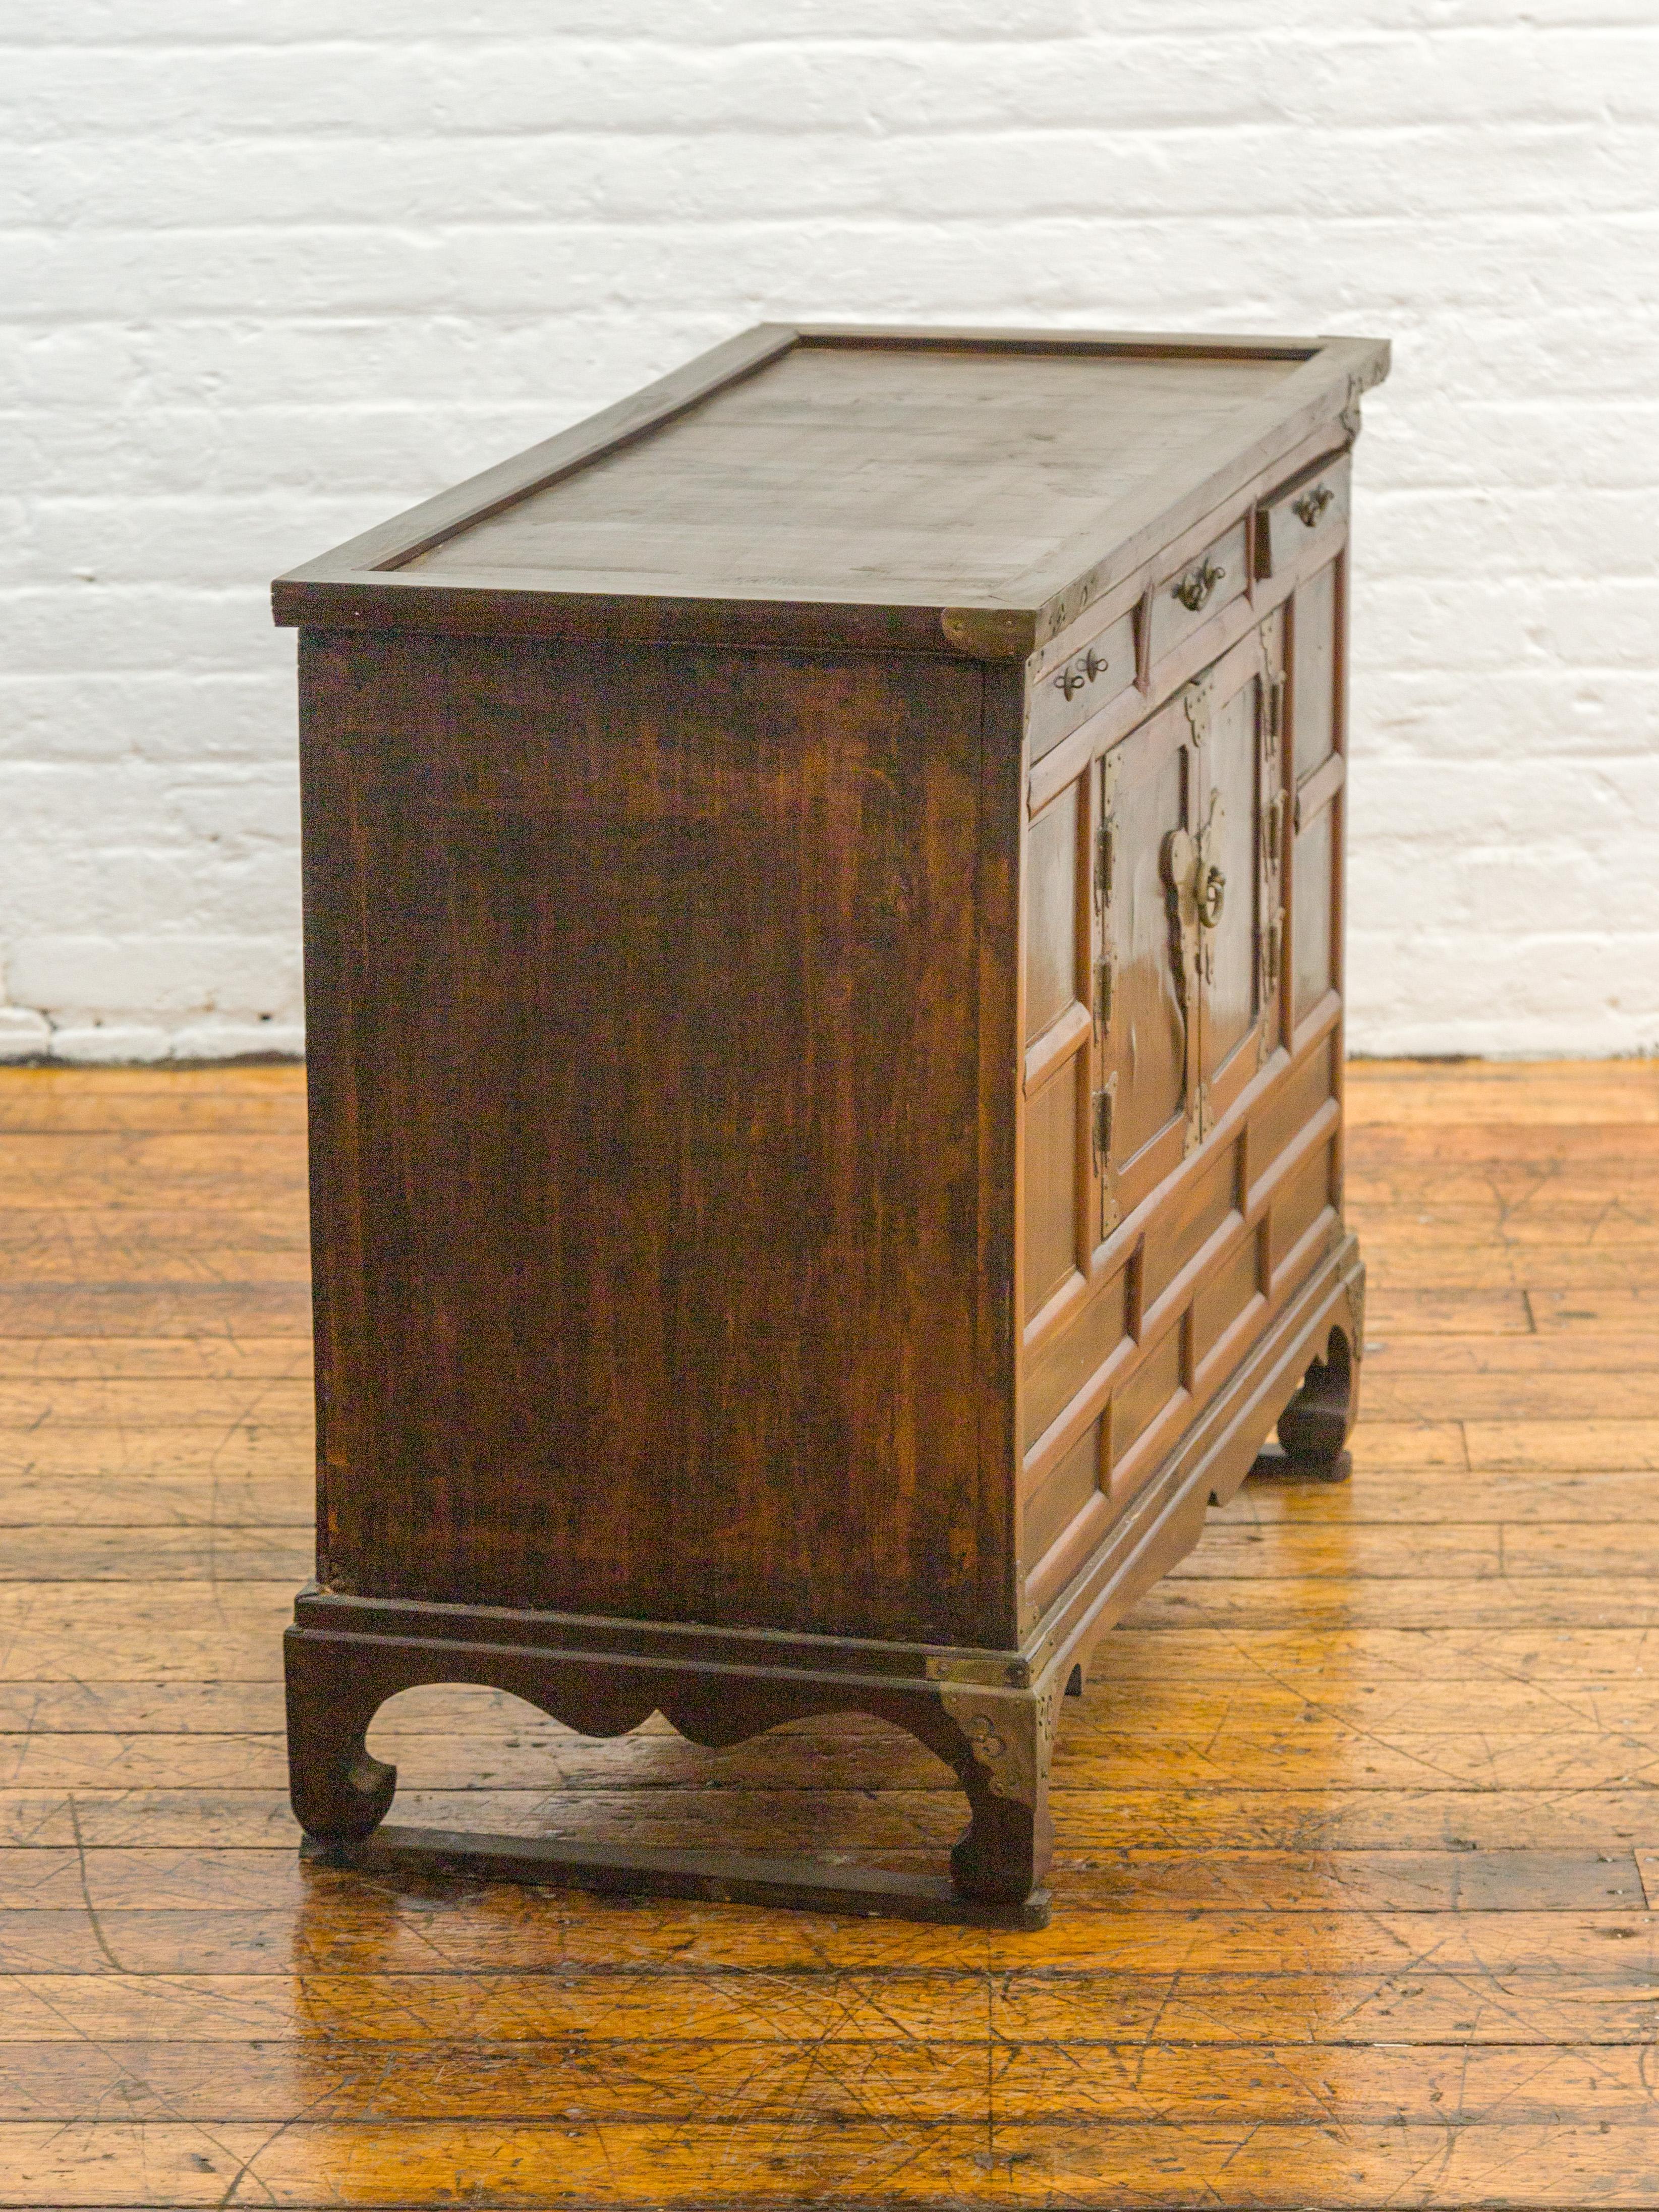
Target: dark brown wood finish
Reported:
point(657, 1063)
point(823, 984)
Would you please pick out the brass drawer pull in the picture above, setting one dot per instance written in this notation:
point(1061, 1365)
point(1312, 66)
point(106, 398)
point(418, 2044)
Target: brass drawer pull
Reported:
point(1076, 673)
point(1311, 505)
point(1196, 585)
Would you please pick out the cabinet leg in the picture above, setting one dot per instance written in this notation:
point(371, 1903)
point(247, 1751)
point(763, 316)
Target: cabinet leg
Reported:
point(997, 1741)
point(338, 1791)
point(1314, 1427)
point(1006, 1736)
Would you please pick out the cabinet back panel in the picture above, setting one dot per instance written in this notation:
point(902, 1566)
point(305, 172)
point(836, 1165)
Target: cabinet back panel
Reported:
point(653, 1145)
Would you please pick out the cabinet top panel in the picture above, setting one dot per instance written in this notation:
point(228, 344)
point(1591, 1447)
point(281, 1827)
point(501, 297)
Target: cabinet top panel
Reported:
point(828, 484)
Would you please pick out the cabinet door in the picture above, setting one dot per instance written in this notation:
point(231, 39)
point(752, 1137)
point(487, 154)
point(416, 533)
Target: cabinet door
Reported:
point(1156, 875)
point(1235, 713)
point(1229, 781)
point(1146, 802)
point(1192, 818)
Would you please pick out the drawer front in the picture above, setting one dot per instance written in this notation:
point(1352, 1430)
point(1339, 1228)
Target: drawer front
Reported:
point(1097, 673)
point(1312, 514)
point(1184, 600)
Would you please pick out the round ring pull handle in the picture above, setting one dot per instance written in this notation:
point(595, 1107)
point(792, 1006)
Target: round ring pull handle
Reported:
point(1311, 505)
point(1195, 587)
point(1209, 892)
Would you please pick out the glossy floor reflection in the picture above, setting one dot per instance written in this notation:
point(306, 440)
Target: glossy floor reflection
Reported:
point(1353, 1819)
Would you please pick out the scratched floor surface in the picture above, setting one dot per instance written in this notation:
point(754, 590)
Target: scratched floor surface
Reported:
point(1353, 1821)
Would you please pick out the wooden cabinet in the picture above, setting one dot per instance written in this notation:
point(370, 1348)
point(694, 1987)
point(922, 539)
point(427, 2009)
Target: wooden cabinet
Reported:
point(822, 925)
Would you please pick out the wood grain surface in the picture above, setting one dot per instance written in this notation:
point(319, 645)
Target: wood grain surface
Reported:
point(946, 474)
point(713, 1058)
point(1356, 1825)
point(826, 487)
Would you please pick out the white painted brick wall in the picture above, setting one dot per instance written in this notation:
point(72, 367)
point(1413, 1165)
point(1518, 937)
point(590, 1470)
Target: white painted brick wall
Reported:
point(269, 272)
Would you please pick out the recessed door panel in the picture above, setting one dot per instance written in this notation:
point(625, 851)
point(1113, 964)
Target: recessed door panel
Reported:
point(1225, 1297)
point(1051, 913)
point(1071, 1359)
point(1231, 964)
point(1051, 1184)
point(1062, 1495)
point(1137, 1409)
point(1315, 694)
point(1312, 895)
point(1149, 1036)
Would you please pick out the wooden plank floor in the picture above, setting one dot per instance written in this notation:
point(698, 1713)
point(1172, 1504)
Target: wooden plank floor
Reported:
point(1354, 1821)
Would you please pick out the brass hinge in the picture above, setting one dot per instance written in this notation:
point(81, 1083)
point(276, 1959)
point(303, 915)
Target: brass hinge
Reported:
point(1197, 700)
point(1103, 978)
point(1272, 953)
point(1101, 1136)
point(1103, 1121)
point(1276, 706)
point(1201, 1118)
point(1198, 1121)
point(1275, 828)
point(1105, 855)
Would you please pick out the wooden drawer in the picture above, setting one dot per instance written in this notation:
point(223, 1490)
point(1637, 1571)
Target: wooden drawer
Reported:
point(1063, 700)
point(1190, 595)
point(1309, 513)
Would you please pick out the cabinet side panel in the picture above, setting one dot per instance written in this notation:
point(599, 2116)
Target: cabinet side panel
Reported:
point(648, 1106)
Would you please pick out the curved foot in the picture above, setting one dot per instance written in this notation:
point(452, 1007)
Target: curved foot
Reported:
point(339, 1792)
point(996, 1740)
point(1006, 1735)
point(1314, 1427)
point(1002, 1855)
